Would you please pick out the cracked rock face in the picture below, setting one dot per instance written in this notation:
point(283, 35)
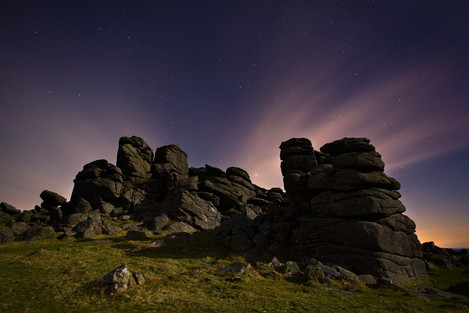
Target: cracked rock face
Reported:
point(134, 157)
point(350, 209)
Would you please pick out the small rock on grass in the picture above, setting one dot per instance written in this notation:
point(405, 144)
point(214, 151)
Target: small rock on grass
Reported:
point(237, 268)
point(118, 280)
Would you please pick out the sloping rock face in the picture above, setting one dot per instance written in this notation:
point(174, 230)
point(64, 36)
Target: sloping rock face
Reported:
point(348, 211)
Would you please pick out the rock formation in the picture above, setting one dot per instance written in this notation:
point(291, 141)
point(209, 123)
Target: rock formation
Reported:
point(339, 206)
point(347, 210)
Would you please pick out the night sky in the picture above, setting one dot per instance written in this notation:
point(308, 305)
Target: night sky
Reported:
point(228, 81)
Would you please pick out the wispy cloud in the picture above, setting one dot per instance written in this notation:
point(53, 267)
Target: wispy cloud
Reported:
point(401, 114)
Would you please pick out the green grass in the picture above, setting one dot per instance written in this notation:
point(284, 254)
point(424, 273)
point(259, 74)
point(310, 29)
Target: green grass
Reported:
point(51, 276)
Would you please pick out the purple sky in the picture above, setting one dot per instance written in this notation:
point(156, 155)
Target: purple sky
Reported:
point(227, 81)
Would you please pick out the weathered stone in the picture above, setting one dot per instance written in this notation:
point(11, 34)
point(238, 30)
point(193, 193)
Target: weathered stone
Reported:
point(137, 235)
point(25, 216)
point(364, 161)
point(238, 172)
point(38, 232)
point(106, 209)
point(363, 202)
point(116, 281)
point(6, 236)
point(139, 278)
point(346, 145)
point(276, 264)
point(296, 146)
point(170, 159)
point(51, 199)
point(230, 194)
point(367, 279)
point(209, 197)
point(134, 157)
point(292, 268)
point(350, 179)
point(111, 230)
point(6, 218)
point(79, 205)
point(87, 229)
point(187, 207)
point(98, 182)
point(9, 209)
point(74, 219)
point(179, 227)
point(160, 221)
point(314, 272)
point(214, 171)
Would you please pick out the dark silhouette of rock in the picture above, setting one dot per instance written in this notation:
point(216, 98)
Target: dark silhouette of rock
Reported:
point(170, 159)
point(99, 182)
point(339, 208)
point(350, 212)
point(297, 155)
point(134, 157)
point(51, 199)
point(9, 209)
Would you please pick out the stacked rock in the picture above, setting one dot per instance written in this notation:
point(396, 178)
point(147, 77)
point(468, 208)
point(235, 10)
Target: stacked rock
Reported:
point(297, 155)
point(353, 216)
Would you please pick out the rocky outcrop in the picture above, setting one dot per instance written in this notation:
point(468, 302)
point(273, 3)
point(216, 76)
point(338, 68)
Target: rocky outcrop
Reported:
point(351, 213)
point(339, 206)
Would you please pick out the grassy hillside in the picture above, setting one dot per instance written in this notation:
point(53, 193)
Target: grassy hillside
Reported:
point(52, 276)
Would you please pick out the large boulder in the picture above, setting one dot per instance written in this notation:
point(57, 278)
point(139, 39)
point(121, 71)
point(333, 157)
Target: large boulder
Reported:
point(51, 199)
point(134, 157)
point(170, 159)
point(99, 182)
point(347, 145)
